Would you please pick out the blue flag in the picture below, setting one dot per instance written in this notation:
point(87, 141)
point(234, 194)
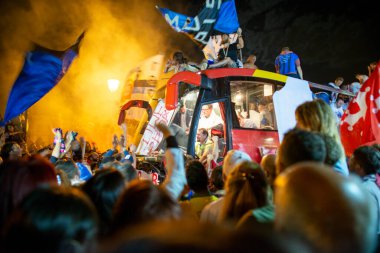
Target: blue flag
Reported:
point(42, 70)
point(176, 20)
point(227, 21)
point(216, 16)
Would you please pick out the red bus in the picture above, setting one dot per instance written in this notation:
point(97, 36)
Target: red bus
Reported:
point(242, 99)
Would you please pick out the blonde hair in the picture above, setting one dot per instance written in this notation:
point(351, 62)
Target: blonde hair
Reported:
point(317, 116)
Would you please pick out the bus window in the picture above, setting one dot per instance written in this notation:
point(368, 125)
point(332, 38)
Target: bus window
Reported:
point(254, 104)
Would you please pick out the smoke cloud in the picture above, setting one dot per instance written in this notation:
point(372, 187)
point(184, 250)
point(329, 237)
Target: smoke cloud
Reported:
point(119, 34)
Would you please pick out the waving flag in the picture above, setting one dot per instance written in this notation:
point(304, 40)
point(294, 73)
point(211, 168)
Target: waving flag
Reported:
point(216, 16)
point(360, 123)
point(42, 70)
point(176, 20)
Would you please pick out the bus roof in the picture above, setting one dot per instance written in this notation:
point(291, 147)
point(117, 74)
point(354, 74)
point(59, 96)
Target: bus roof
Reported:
point(194, 78)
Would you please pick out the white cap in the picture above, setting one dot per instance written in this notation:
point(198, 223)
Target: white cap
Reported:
point(232, 159)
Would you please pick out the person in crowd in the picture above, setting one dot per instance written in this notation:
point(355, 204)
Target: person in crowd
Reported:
point(19, 177)
point(299, 146)
point(331, 212)
point(52, 220)
point(211, 212)
point(333, 150)
point(11, 151)
point(317, 116)
point(12, 133)
point(69, 167)
point(199, 195)
point(361, 78)
point(247, 189)
point(337, 84)
point(143, 202)
point(337, 108)
point(126, 169)
point(268, 164)
point(246, 122)
point(104, 188)
point(2, 134)
point(93, 161)
point(371, 67)
point(183, 117)
point(203, 146)
point(228, 51)
point(288, 63)
point(365, 162)
point(266, 120)
point(376, 146)
point(355, 86)
point(209, 119)
point(175, 180)
point(84, 170)
point(179, 63)
point(250, 63)
point(62, 178)
point(187, 236)
point(216, 183)
point(107, 161)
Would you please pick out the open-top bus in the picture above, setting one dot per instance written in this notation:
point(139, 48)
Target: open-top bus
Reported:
point(241, 98)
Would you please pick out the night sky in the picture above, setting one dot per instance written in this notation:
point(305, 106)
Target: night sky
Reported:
point(332, 38)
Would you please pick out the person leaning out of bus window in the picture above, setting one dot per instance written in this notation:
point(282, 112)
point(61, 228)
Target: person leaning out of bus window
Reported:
point(203, 146)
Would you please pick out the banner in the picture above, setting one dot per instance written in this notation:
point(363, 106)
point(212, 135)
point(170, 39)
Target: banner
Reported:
point(152, 136)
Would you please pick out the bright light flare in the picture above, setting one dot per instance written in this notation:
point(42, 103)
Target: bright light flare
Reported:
point(113, 84)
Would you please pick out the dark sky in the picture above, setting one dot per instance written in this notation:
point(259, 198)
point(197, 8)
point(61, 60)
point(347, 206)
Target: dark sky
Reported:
point(332, 38)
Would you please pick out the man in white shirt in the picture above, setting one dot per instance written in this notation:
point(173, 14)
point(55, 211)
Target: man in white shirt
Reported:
point(337, 108)
point(209, 119)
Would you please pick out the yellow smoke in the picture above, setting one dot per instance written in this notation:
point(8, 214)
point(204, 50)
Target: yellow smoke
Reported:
point(118, 36)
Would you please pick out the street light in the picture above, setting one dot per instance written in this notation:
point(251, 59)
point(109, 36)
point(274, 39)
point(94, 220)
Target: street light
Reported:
point(113, 84)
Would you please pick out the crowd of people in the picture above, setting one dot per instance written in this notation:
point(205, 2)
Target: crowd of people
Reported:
point(308, 197)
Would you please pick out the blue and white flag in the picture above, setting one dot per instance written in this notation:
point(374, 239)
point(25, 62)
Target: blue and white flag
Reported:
point(217, 16)
point(176, 20)
point(42, 70)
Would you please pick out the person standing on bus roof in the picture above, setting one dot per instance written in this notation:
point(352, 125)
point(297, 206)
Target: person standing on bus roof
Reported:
point(288, 63)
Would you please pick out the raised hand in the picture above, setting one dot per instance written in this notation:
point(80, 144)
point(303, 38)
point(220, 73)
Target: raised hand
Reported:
point(164, 129)
point(115, 142)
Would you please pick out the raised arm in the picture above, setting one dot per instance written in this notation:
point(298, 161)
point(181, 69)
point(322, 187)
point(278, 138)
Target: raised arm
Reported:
point(175, 180)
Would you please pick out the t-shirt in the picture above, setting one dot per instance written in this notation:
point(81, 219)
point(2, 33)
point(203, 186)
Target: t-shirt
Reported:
point(200, 149)
point(338, 112)
point(194, 206)
point(287, 63)
point(210, 122)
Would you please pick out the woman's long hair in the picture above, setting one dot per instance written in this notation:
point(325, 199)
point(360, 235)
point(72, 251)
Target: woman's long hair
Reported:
point(317, 116)
point(246, 189)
